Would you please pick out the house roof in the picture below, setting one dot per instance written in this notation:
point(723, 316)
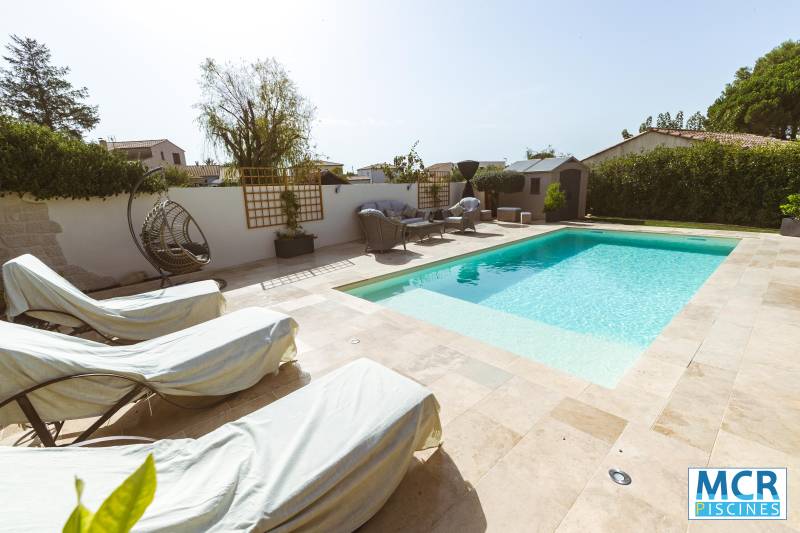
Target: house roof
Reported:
point(748, 140)
point(540, 165)
point(328, 163)
point(117, 145)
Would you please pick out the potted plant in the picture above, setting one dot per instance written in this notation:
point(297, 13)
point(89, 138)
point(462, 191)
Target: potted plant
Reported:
point(790, 226)
point(294, 240)
point(554, 201)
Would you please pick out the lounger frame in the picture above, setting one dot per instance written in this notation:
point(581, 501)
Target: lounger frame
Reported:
point(48, 437)
point(39, 323)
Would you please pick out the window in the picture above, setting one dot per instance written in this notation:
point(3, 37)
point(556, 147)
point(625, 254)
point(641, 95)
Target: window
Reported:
point(162, 156)
point(536, 185)
point(176, 158)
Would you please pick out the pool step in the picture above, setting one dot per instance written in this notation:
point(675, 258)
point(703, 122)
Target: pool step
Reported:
point(589, 357)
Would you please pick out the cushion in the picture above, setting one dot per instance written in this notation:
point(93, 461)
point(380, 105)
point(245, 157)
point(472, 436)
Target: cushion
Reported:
point(470, 203)
point(394, 205)
point(391, 213)
point(409, 212)
point(457, 210)
point(368, 205)
point(370, 211)
point(454, 219)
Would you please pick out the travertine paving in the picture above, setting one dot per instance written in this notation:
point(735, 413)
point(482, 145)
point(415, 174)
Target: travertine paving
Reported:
point(527, 448)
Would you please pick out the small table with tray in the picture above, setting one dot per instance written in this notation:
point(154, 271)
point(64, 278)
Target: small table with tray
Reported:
point(425, 229)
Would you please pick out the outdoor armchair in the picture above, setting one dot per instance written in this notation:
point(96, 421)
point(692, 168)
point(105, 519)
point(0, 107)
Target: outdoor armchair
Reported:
point(35, 290)
point(49, 377)
point(381, 233)
point(464, 214)
point(323, 458)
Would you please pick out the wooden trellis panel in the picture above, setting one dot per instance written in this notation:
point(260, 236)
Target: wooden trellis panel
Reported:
point(437, 181)
point(262, 188)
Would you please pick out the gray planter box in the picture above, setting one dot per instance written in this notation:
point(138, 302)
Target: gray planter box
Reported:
point(790, 227)
point(286, 248)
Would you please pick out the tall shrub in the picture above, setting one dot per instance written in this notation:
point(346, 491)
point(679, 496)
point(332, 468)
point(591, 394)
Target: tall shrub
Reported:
point(47, 164)
point(494, 181)
point(705, 182)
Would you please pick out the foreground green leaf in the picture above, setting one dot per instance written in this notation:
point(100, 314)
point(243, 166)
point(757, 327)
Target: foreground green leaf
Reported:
point(123, 508)
point(81, 517)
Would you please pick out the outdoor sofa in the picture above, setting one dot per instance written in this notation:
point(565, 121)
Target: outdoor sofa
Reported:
point(47, 377)
point(35, 290)
point(395, 210)
point(324, 458)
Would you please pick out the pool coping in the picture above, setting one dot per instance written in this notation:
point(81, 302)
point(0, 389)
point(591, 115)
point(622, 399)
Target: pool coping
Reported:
point(631, 369)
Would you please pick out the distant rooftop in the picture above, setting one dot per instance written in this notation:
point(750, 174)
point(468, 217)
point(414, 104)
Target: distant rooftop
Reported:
point(376, 165)
point(123, 145)
point(540, 165)
point(328, 163)
point(747, 140)
point(202, 171)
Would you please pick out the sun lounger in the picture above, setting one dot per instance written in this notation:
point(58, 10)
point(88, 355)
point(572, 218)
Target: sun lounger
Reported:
point(32, 288)
point(324, 458)
point(49, 377)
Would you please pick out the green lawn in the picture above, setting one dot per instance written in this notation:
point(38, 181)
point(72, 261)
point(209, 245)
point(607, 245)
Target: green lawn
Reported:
point(677, 224)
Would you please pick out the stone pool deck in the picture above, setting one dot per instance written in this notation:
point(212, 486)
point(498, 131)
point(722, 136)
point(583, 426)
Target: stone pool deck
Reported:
point(527, 447)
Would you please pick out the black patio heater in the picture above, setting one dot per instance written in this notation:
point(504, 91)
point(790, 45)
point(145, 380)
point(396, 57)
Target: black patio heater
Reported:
point(468, 169)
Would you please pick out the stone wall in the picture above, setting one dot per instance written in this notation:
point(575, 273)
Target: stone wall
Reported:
point(26, 228)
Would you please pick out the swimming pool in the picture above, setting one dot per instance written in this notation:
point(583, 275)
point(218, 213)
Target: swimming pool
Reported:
point(584, 301)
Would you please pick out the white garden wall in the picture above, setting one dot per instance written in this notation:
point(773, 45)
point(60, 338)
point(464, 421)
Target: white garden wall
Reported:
point(95, 232)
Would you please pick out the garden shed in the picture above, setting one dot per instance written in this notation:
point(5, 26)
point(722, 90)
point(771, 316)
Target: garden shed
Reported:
point(539, 173)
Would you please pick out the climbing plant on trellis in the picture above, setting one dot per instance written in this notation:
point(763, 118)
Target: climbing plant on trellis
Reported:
point(262, 188)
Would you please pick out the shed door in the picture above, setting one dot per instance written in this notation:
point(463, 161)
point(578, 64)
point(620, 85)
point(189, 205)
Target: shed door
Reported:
point(571, 183)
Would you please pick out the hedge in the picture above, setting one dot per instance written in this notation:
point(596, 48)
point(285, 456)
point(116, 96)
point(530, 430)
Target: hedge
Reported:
point(47, 164)
point(705, 182)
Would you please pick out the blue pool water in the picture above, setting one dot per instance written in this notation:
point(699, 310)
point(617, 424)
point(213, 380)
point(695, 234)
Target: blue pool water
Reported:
point(584, 301)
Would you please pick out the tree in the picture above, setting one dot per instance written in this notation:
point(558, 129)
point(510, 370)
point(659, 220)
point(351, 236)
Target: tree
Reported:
point(665, 120)
point(255, 113)
point(696, 122)
point(209, 161)
point(765, 99)
point(626, 134)
point(544, 153)
point(34, 90)
point(407, 168)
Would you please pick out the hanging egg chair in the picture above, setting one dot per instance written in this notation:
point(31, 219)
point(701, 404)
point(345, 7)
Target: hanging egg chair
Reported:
point(170, 238)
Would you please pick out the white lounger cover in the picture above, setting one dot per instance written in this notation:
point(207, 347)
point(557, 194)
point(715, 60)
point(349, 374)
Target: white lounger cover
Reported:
point(324, 458)
point(30, 284)
point(222, 356)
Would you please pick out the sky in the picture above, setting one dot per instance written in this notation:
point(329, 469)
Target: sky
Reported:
point(467, 79)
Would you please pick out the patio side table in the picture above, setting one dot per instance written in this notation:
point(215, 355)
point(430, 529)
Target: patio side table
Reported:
point(423, 230)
